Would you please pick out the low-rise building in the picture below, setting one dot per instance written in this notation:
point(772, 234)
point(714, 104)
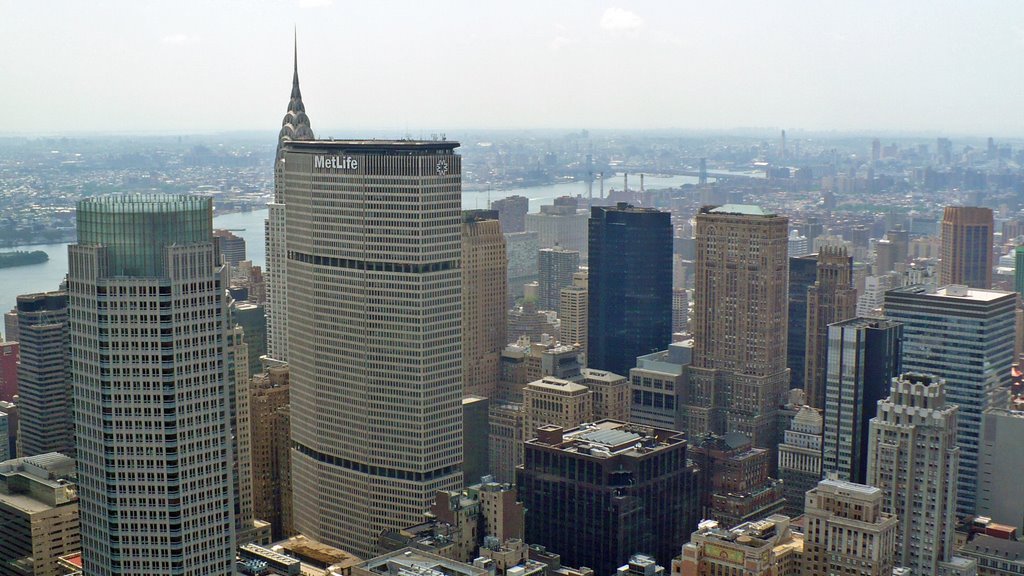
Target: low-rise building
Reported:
point(768, 547)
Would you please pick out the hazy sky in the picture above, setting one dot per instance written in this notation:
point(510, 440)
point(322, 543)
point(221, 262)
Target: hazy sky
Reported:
point(934, 67)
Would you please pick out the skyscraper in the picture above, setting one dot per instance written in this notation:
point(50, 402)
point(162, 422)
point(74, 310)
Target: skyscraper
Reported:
point(913, 459)
point(150, 377)
point(560, 224)
point(512, 213)
point(1000, 495)
point(572, 312)
point(800, 459)
point(555, 269)
point(630, 285)
point(803, 272)
point(270, 429)
point(832, 298)
point(374, 324)
point(484, 293)
point(965, 336)
point(864, 355)
point(294, 127)
point(847, 531)
point(44, 382)
point(966, 254)
point(739, 374)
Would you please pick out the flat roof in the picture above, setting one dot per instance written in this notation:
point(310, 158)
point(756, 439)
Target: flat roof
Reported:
point(954, 292)
point(850, 486)
point(372, 145)
point(741, 209)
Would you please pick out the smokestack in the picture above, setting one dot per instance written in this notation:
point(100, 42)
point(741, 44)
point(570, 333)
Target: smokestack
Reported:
point(641, 183)
point(602, 185)
point(625, 181)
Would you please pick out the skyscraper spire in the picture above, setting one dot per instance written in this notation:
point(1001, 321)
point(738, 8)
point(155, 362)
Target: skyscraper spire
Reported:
point(295, 125)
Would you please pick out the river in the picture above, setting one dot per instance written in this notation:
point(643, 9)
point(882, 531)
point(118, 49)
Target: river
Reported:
point(249, 225)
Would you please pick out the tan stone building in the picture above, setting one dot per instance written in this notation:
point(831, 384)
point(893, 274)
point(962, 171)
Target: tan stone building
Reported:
point(611, 394)
point(270, 427)
point(832, 298)
point(38, 514)
point(965, 256)
point(846, 531)
point(768, 547)
point(739, 373)
point(553, 401)
point(484, 287)
point(572, 312)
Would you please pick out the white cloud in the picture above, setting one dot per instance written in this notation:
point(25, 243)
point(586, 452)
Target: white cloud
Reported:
point(179, 39)
point(620, 19)
point(315, 3)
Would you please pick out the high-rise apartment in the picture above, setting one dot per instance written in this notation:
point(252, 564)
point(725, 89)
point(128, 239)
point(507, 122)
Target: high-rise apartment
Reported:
point(555, 269)
point(150, 378)
point(965, 336)
point(966, 254)
point(44, 383)
point(832, 298)
point(484, 294)
point(630, 285)
point(913, 459)
point(847, 531)
point(739, 375)
point(375, 332)
point(864, 355)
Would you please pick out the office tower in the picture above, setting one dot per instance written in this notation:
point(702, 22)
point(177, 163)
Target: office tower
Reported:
point(556, 402)
point(9, 439)
point(475, 432)
point(611, 394)
point(248, 528)
point(524, 361)
point(505, 438)
point(1000, 495)
point(630, 285)
point(797, 244)
point(484, 295)
point(5, 432)
point(803, 272)
point(572, 313)
point(253, 320)
point(994, 556)
point(847, 531)
point(1018, 270)
point(232, 247)
point(8, 370)
point(521, 248)
point(555, 269)
point(966, 254)
point(885, 257)
point(11, 325)
point(375, 332)
point(294, 127)
point(44, 384)
point(512, 213)
point(658, 385)
point(528, 322)
point(832, 298)
point(148, 329)
point(872, 297)
point(739, 375)
point(680, 310)
point(735, 483)
point(270, 430)
point(38, 514)
point(913, 459)
point(965, 336)
point(765, 547)
point(864, 355)
point(560, 224)
point(800, 458)
point(598, 493)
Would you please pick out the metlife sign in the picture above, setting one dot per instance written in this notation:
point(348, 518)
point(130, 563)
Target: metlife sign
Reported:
point(336, 162)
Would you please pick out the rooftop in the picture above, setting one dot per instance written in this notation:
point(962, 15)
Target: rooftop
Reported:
point(372, 145)
point(412, 562)
point(607, 438)
point(955, 291)
point(740, 209)
point(843, 485)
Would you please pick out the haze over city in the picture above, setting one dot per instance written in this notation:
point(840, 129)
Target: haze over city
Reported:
point(407, 68)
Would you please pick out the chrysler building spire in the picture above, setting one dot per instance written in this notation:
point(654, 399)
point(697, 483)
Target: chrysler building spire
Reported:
point(295, 125)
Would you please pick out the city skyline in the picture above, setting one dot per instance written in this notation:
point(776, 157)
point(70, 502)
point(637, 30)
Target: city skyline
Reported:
point(859, 67)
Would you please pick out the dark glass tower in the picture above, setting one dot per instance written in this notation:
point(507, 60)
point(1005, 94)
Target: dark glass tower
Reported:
point(803, 272)
point(630, 299)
